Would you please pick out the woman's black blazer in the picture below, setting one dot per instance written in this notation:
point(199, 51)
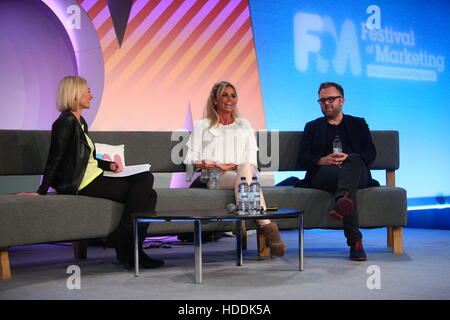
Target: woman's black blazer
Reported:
point(68, 156)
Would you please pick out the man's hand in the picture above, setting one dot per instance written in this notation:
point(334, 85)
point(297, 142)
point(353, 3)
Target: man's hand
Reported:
point(116, 167)
point(334, 159)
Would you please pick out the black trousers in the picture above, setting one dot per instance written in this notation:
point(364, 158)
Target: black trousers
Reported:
point(135, 191)
point(351, 176)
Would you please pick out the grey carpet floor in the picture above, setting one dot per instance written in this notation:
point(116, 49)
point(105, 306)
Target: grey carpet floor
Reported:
point(41, 271)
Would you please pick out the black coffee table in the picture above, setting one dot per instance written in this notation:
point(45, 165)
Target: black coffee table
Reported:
point(200, 216)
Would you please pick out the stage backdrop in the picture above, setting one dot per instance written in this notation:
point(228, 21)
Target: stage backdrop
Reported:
point(396, 76)
point(161, 56)
point(151, 62)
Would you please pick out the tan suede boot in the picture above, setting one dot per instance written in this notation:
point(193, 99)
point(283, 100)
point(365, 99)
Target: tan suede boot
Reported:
point(273, 239)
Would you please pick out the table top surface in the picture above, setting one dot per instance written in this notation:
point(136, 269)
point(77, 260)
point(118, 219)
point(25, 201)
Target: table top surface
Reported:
point(216, 214)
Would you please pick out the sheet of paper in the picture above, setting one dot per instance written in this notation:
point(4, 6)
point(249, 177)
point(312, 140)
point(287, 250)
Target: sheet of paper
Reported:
point(128, 171)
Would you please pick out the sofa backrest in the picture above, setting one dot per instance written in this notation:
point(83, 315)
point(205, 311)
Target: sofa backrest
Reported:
point(386, 144)
point(24, 152)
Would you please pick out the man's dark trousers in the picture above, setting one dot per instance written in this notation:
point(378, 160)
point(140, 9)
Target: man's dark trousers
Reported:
point(351, 176)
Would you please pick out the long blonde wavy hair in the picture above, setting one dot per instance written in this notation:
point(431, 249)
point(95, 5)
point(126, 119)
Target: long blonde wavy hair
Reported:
point(211, 106)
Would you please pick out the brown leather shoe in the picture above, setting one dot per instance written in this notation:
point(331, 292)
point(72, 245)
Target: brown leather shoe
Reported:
point(273, 239)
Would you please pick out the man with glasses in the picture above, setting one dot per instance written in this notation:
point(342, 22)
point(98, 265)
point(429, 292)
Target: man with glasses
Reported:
point(343, 169)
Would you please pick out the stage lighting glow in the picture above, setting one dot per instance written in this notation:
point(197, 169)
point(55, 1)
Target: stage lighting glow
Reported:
point(429, 207)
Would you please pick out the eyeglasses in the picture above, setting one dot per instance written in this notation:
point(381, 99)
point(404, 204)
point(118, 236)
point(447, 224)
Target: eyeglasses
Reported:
point(328, 99)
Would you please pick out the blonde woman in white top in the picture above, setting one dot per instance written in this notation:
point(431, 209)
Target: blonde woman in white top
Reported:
point(225, 141)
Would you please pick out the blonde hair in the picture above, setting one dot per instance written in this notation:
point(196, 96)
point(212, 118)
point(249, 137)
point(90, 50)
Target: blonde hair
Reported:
point(211, 107)
point(70, 90)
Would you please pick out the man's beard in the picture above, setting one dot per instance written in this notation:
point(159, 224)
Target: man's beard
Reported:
point(333, 114)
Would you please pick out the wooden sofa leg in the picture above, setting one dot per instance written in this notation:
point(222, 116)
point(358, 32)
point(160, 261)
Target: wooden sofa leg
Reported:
point(263, 250)
point(395, 239)
point(80, 249)
point(5, 268)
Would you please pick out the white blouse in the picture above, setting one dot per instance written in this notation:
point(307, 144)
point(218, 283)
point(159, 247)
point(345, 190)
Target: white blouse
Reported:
point(233, 143)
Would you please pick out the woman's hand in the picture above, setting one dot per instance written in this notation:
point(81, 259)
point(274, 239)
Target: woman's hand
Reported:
point(210, 164)
point(227, 166)
point(116, 167)
point(27, 194)
point(206, 164)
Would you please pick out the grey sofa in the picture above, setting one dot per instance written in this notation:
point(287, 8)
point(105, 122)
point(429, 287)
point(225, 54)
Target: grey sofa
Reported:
point(54, 218)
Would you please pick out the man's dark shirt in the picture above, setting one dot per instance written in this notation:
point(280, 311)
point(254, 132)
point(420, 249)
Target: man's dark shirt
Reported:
point(332, 132)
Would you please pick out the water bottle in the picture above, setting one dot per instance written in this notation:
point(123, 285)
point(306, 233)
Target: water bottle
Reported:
point(337, 144)
point(243, 197)
point(255, 197)
point(204, 177)
point(213, 182)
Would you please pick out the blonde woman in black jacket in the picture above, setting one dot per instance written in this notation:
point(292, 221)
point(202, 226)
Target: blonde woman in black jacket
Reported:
point(72, 168)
